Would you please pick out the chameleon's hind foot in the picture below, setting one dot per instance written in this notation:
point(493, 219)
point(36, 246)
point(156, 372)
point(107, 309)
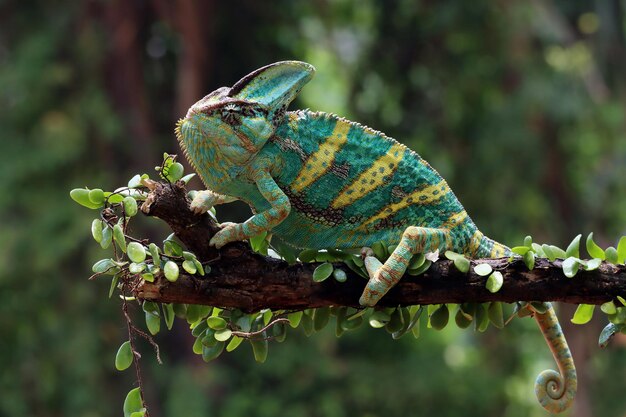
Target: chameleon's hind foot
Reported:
point(382, 278)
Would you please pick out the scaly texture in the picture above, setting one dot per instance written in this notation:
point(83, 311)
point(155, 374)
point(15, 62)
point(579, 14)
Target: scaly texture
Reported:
point(316, 180)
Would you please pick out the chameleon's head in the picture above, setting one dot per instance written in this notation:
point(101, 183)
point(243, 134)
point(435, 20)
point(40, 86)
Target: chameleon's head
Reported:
point(230, 125)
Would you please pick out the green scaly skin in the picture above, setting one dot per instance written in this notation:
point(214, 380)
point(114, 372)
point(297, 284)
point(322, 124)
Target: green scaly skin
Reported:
point(316, 180)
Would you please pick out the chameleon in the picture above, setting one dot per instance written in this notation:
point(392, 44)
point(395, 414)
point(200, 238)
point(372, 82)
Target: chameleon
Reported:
point(316, 180)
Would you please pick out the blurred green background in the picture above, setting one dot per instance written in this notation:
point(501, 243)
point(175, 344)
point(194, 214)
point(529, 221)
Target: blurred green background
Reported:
point(519, 104)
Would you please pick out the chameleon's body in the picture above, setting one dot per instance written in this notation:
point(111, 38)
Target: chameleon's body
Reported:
point(316, 180)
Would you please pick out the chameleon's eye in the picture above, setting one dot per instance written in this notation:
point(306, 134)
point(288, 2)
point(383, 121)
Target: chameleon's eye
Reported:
point(231, 114)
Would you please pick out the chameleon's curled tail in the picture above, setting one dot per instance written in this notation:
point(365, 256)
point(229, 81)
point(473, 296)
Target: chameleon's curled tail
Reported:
point(555, 390)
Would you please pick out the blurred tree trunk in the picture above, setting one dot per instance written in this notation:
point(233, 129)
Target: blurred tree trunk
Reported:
point(126, 80)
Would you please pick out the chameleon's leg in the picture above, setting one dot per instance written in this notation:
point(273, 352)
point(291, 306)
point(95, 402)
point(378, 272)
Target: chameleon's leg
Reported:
point(555, 390)
point(204, 200)
point(384, 276)
point(260, 222)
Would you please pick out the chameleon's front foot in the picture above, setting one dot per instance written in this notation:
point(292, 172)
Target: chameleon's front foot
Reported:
point(555, 391)
point(203, 201)
point(230, 232)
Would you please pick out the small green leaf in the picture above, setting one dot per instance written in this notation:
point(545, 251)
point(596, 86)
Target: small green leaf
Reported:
point(124, 357)
point(529, 260)
point(107, 237)
point(187, 177)
point(395, 323)
point(154, 252)
point(259, 348)
point(216, 323)
point(608, 332)
point(494, 282)
point(440, 317)
point(81, 196)
point(168, 315)
point(212, 352)
point(259, 243)
point(462, 319)
point(547, 250)
point(570, 266)
point(130, 206)
point(135, 268)
point(190, 267)
point(380, 251)
point(114, 281)
point(593, 249)
point(558, 252)
point(136, 252)
point(416, 261)
point(421, 269)
point(340, 275)
point(520, 250)
point(171, 247)
point(133, 402)
point(114, 198)
point(483, 269)
point(234, 343)
point(295, 318)
point(171, 271)
point(135, 181)
point(481, 318)
point(103, 266)
point(96, 196)
point(622, 300)
point(611, 255)
point(153, 323)
point(496, 314)
point(573, 249)
point(621, 250)
point(307, 255)
point(96, 230)
point(118, 236)
point(321, 318)
point(538, 250)
point(592, 264)
point(583, 314)
point(322, 272)
point(379, 319)
point(609, 308)
point(175, 172)
point(223, 335)
point(460, 262)
point(528, 241)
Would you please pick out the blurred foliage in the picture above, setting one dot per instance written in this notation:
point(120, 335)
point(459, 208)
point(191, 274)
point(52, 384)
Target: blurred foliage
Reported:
point(519, 105)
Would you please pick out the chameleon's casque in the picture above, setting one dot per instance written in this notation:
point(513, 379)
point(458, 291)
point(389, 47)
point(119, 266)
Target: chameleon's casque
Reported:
point(316, 180)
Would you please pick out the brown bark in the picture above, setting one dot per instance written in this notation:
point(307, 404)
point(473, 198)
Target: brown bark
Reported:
point(242, 279)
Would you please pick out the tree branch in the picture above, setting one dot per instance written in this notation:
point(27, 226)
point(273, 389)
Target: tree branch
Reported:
point(242, 279)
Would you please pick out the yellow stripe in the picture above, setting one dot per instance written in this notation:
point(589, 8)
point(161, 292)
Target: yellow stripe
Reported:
point(497, 250)
point(321, 160)
point(454, 220)
point(424, 196)
point(474, 243)
point(371, 178)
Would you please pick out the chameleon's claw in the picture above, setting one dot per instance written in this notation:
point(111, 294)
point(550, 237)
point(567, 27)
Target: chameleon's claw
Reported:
point(379, 283)
point(230, 232)
point(202, 202)
point(366, 251)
